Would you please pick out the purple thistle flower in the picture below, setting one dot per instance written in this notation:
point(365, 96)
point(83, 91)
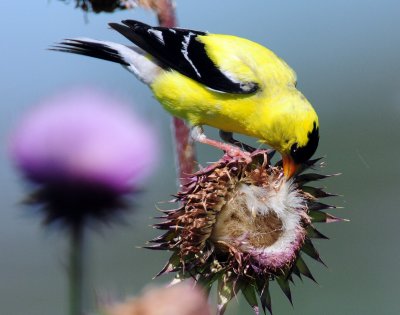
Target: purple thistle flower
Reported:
point(85, 149)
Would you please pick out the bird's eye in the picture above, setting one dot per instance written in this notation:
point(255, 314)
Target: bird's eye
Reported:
point(293, 148)
point(301, 154)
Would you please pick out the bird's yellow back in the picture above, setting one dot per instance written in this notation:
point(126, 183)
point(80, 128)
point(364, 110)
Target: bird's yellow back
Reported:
point(247, 60)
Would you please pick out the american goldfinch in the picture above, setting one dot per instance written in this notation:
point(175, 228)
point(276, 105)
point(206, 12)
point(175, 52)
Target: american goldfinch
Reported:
point(223, 81)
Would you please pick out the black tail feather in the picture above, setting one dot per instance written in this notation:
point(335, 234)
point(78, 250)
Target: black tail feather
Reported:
point(91, 49)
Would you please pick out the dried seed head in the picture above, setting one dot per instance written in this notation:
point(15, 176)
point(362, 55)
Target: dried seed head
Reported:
point(263, 221)
point(243, 224)
point(98, 6)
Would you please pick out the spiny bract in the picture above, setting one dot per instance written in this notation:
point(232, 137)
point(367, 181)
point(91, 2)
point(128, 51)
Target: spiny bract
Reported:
point(242, 224)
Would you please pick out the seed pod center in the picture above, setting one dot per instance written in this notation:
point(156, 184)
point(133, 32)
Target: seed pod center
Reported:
point(246, 217)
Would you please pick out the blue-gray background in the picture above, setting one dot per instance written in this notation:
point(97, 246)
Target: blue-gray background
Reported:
point(347, 56)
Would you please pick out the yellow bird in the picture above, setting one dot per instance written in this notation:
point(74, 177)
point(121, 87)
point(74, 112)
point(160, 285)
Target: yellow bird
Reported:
point(223, 81)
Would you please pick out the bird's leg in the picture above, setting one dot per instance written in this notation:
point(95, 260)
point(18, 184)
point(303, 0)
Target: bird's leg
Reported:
point(198, 135)
point(228, 137)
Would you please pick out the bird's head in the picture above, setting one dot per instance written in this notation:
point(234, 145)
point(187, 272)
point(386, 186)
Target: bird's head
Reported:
point(298, 154)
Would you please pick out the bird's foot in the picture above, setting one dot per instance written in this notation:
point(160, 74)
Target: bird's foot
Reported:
point(238, 153)
point(228, 137)
point(231, 150)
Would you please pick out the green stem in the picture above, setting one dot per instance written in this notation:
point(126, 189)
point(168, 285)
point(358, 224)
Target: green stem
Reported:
point(75, 275)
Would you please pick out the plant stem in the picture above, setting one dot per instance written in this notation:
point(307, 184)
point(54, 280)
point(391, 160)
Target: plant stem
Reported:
point(75, 271)
point(185, 152)
point(166, 13)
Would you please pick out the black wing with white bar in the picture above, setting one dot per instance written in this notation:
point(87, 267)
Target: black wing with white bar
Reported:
point(180, 50)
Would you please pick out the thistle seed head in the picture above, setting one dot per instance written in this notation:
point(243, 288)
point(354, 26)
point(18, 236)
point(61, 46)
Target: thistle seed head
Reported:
point(242, 224)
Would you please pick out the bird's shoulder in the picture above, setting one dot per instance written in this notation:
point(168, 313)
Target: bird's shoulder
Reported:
point(246, 59)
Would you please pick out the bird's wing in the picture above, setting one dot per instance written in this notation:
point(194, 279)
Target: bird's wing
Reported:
point(180, 50)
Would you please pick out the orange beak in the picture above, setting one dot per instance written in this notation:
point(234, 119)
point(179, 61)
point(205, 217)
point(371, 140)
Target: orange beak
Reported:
point(289, 166)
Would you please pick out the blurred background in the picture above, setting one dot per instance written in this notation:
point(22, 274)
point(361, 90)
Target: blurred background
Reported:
point(346, 55)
